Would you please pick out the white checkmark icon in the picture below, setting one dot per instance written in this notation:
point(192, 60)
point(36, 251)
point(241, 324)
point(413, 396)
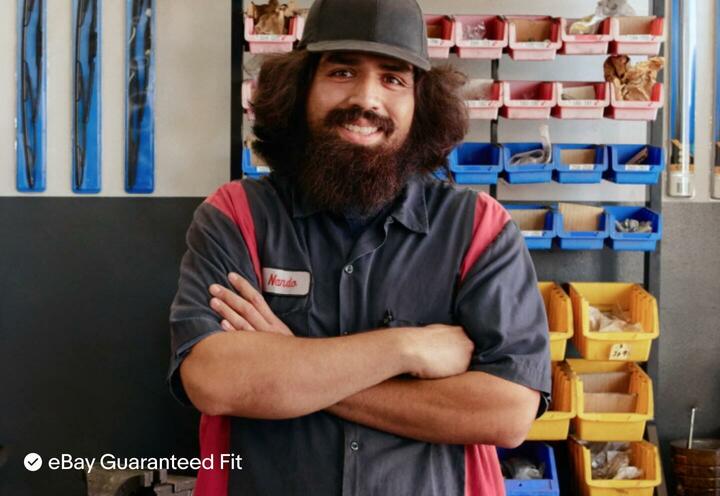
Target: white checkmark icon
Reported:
point(33, 462)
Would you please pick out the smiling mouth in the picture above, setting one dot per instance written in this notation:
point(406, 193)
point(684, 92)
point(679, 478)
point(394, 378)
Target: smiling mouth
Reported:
point(362, 130)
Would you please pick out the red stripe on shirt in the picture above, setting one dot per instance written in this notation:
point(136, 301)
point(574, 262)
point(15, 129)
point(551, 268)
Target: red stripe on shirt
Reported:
point(483, 476)
point(490, 219)
point(231, 200)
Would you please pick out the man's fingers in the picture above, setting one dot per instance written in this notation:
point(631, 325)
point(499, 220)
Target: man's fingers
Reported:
point(231, 320)
point(250, 294)
point(230, 306)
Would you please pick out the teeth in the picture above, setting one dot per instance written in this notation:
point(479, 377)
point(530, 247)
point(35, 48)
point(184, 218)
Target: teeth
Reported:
point(360, 130)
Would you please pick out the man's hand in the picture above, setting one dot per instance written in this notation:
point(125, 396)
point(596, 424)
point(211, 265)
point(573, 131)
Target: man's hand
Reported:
point(436, 350)
point(440, 351)
point(245, 311)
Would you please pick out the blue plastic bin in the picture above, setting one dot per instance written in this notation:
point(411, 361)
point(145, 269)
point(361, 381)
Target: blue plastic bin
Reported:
point(537, 453)
point(250, 170)
point(525, 174)
point(538, 240)
point(476, 163)
point(581, 240)
point(633, 241)
point(647, 173)
point(580, 173)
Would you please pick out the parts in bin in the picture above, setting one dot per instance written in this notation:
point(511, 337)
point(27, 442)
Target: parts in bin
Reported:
point(140, 125)
point(604, 9)
point(641, 454)
point(522, 163)
point(86, 109)
point(581, 227)
point(31, 101)
point(529, 469)
point(273, 27)
point(633, 82)
point(612, 461)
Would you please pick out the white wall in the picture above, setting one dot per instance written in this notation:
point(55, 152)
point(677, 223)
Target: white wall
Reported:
point(192, 97)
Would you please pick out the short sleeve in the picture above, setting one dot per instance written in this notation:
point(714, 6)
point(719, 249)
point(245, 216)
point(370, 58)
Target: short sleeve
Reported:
point(215, 247)
point(500, 307)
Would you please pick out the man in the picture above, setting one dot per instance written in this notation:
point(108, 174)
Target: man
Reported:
point(350, 325)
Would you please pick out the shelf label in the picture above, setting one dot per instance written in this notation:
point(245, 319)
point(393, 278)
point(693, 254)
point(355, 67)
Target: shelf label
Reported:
point(530, 103)
point(263, 168)
point(434, 41)
point(638, 37)
point(533, 234)
point(535, 44)
point(581, 167)
point(637, 168)
point(268, 37)
point(480, 43)
point(619, 351)
point(583, 103)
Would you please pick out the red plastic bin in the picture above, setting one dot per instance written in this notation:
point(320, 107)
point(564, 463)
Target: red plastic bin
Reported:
point(444, 27)
point(533, 37)
point(585, 44)
point(483, 108)
point(269, 43)
point(635, 110)
point(637, 35)
point(528, 99)
point(491, 47)
point(582, 109)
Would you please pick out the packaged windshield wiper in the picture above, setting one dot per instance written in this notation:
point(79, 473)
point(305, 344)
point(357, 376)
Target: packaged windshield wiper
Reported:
point(86, 156)
point(31, 101)
point(140, 92)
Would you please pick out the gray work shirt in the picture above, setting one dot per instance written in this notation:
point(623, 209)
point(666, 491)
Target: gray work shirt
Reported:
point(437, 255)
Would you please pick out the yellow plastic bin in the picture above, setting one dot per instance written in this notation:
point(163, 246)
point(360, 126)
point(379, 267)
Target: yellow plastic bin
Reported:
point(643, 455)
point(560, 318)
point(554, 424)
point(614, 400)
point(640, 307)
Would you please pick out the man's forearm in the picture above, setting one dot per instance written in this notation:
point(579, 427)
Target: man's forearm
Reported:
point(265, 375)
point(472, 408)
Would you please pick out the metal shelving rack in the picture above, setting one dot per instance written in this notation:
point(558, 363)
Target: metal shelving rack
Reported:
point(651, 260)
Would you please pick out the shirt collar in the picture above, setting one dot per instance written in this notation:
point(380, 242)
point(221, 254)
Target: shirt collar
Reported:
point(410, 207)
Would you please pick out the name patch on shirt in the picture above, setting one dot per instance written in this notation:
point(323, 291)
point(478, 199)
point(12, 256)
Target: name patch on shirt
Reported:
point(286, 282)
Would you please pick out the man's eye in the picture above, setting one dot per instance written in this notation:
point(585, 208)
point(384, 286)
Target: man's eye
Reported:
point(394, 80)
point(343, 73)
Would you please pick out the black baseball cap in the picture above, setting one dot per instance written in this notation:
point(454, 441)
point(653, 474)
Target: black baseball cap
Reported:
point(395, 28)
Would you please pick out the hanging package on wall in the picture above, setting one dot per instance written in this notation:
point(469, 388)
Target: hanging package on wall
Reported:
point(140, 90)
point(86, 107)
point(683, 86)
point(31, 89)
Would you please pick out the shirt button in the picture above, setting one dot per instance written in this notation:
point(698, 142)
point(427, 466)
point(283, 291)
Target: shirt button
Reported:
point(354, 446)
point(349, 269)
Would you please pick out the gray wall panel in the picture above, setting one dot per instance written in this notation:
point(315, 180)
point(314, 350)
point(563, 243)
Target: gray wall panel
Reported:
point(84, 341)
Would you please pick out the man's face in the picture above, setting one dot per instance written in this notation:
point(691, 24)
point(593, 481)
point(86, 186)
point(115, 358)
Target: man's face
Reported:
point(359, 110)
point(379, 89)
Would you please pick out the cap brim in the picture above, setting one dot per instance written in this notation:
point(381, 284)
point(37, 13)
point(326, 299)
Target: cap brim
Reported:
point(370, 47)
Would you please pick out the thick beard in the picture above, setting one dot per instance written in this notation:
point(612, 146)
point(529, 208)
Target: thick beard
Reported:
point(346, 178)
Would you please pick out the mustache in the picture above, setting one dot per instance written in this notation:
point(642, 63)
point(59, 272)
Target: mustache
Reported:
point(342, 116)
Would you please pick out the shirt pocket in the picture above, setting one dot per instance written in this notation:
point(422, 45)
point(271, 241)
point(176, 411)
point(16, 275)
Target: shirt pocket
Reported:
point(292, 310)
point(391, 319)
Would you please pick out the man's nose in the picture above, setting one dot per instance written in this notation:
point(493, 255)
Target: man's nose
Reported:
point(366, 93)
